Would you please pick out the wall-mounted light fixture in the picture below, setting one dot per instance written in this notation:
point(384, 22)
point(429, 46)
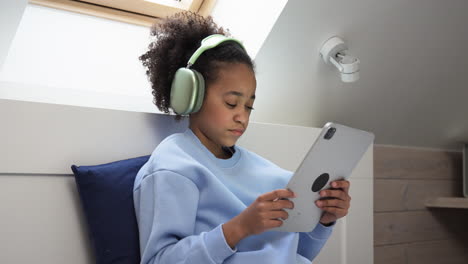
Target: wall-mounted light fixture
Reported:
point(335, 51)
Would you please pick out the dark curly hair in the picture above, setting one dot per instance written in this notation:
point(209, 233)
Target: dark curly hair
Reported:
point(176, 39)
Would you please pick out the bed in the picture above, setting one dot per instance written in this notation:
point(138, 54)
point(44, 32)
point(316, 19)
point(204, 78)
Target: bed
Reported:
point(42, 217)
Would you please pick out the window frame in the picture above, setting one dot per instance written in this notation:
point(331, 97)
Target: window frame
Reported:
point(138, 12)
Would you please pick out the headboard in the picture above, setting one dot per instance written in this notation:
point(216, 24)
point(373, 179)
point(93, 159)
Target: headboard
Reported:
point(42, 219)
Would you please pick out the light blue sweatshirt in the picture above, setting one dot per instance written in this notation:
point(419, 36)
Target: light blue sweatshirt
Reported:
point(184, 194)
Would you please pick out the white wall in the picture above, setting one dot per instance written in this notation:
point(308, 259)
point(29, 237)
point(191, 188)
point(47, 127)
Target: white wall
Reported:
point(414, 64)
point(11, 12)
point(68, 58)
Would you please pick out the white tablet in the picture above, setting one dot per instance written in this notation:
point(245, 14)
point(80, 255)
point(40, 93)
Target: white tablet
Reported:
point(333, 156)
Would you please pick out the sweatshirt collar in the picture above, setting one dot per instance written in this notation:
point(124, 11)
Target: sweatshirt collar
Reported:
point(225, 163)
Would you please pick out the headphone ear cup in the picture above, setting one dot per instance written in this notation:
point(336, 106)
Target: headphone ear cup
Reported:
point(200, 91)
point(184, 91)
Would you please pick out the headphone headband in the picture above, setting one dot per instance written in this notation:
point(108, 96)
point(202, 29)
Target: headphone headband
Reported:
point(209, 43)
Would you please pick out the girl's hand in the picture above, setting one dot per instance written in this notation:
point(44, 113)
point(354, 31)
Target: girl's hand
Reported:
point(264, 212)
point(335, 202)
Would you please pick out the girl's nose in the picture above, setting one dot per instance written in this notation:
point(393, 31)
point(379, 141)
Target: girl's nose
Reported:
point(242, 116)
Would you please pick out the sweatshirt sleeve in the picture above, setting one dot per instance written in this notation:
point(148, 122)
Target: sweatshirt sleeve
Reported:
point(311, 243)
point(166, 205)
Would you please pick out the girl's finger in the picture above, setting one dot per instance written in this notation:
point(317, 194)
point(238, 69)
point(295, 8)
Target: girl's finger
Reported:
point(274, 223)
point(276, 195)
point(332, 203)
point(342, 184)
point(336, 211)
point(338, 194)
point(278, 214)
point(281, 204)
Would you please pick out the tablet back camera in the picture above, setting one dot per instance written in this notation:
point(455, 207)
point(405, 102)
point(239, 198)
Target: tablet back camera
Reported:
point(320, 182)
point(330, 132)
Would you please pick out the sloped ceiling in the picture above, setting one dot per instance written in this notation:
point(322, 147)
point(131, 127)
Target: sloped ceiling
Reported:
point(10, 16)
point(413, 89)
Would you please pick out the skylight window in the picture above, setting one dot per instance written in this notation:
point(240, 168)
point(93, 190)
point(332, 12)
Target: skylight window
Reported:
point(140, 12)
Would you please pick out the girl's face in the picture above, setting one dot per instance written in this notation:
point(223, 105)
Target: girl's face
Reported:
point(226, 108)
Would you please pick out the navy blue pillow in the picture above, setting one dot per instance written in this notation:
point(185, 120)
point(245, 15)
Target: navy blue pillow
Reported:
point(106, 193)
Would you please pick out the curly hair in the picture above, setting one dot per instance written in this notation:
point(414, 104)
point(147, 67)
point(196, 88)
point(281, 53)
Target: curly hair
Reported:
point(176, 39)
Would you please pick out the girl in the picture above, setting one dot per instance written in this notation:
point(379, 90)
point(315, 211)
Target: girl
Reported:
point(200, 198)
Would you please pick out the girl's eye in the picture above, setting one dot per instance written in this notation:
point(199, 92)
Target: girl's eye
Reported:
point(233, 105)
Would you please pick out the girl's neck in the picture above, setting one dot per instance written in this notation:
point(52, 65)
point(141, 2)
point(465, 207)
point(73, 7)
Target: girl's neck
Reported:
point(218, 151)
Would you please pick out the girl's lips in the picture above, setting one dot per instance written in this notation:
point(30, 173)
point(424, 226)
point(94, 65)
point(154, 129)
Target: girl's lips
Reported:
point(237, 132)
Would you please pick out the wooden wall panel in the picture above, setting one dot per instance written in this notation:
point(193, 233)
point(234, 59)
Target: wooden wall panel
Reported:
point(405, 230)
point(437, 252)
point(400, 195)
point(412, 226)
point(433, 252)
point(418, 192)
point(412, 163)
point(393, 254)
point(390, 195)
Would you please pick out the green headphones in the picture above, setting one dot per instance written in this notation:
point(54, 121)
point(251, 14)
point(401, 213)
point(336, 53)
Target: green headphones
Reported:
point(188, 85)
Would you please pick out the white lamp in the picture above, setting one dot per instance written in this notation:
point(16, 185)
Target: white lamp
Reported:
point(334, 51)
